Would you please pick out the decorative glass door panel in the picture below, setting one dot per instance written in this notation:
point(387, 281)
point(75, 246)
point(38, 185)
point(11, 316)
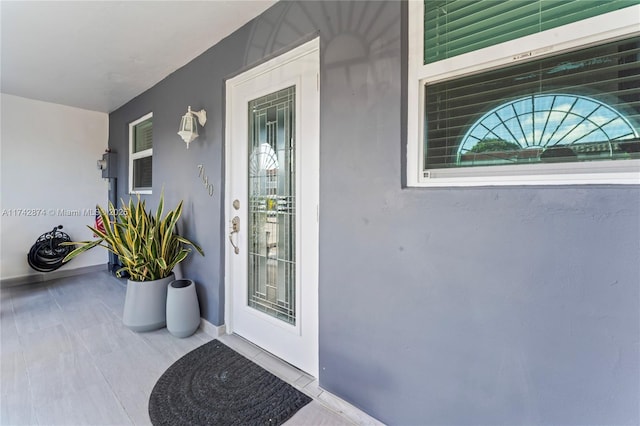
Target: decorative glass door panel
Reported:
point(272, 205)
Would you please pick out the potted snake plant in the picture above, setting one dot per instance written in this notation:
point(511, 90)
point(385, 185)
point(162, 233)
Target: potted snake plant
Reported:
point(148, 247)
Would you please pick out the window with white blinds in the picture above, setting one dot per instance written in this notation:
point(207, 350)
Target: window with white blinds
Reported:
point(141, 155)
point(523, 92)
point(576, 106)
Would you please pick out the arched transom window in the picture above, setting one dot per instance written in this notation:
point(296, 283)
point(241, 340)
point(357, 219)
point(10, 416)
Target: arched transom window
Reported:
point(546, 127)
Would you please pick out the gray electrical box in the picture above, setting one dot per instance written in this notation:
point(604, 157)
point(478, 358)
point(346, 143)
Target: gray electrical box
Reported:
point(108, 165)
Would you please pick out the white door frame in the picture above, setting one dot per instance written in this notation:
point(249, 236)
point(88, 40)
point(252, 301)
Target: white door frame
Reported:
point(311, 136)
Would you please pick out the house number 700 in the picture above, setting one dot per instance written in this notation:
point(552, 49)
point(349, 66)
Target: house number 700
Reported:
point(205, 180)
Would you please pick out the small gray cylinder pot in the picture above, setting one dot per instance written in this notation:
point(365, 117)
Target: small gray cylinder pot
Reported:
point(183, 311)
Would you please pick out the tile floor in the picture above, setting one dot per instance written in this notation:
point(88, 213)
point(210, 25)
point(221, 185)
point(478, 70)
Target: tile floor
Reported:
point(66, 359)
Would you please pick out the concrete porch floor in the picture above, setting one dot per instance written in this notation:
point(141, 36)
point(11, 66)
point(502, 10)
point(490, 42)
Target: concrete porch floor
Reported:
point(66, 359)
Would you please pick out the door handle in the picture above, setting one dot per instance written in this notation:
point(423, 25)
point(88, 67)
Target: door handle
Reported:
point(235, 228)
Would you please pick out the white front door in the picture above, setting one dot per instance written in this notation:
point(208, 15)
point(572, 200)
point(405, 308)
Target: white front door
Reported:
point(272, 185)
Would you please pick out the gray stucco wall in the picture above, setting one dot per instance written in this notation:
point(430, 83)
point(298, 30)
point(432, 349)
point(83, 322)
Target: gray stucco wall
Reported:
point(199, 84)
point(437, 306)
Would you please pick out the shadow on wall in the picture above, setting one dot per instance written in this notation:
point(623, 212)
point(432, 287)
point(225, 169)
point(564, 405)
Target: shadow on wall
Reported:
point(359, 46)
point(354, 34)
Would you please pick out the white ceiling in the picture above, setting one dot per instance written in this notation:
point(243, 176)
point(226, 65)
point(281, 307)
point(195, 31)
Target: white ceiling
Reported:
point(98, 55)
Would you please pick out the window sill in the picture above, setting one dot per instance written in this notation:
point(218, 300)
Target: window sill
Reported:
point(603, 173)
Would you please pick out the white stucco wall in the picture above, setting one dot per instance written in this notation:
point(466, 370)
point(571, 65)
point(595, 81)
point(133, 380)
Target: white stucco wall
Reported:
point(48, 158)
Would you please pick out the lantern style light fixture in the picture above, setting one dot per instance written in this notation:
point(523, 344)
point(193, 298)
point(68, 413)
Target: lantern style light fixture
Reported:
point(189, 127)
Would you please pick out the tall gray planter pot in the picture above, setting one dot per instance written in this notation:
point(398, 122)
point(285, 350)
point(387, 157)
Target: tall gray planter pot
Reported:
point(145, 304)
point(183, 311)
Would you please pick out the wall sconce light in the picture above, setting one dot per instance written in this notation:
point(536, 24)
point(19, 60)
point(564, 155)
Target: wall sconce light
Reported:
point(188, 126)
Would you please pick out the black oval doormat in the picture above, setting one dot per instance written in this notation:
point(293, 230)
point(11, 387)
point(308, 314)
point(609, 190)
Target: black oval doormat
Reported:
point(215, 385)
